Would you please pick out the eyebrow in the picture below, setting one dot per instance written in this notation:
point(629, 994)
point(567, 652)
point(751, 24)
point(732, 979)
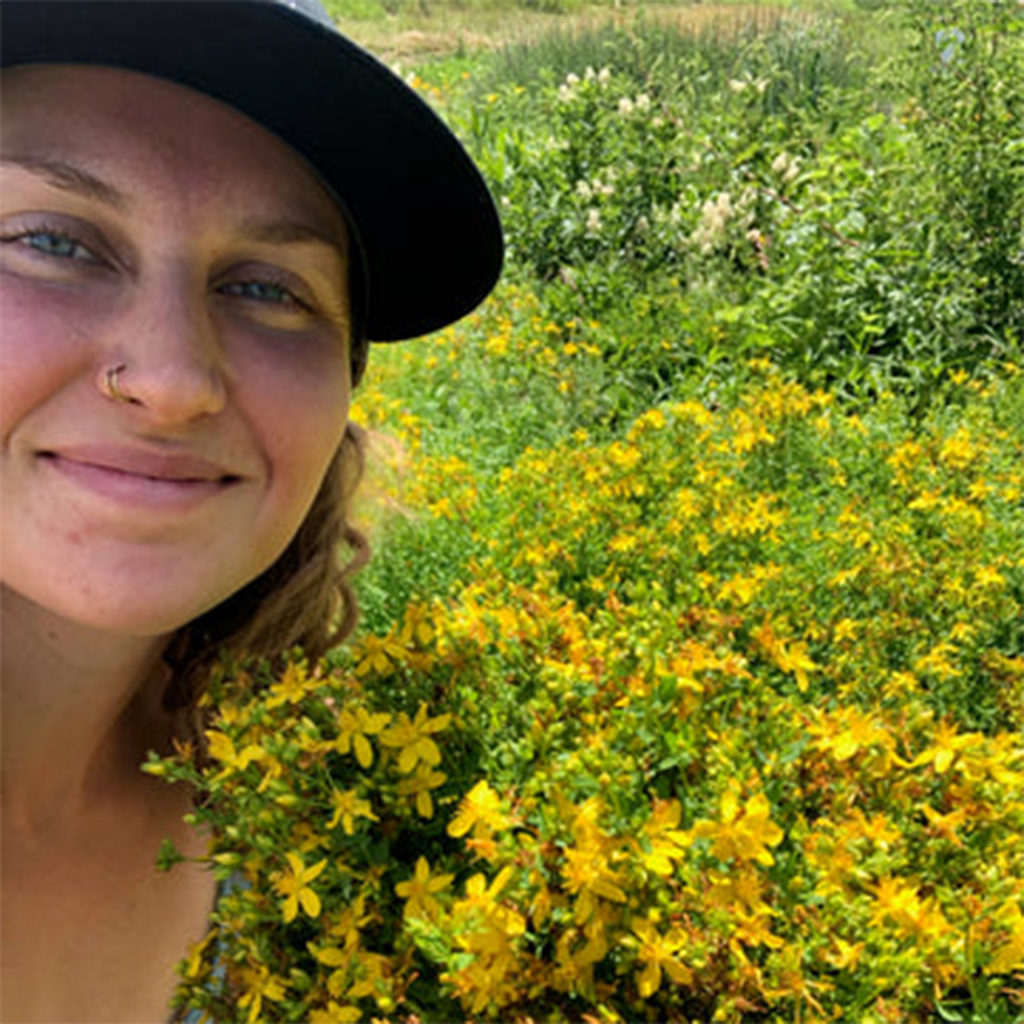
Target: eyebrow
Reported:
point(69, 178)
point(289, 232)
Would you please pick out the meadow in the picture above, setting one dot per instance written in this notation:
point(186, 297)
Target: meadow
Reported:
point(690, 681)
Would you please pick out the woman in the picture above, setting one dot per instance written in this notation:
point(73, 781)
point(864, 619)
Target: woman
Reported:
point(206, 209)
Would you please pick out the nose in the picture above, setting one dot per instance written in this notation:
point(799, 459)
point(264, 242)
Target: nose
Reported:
point(167, 344)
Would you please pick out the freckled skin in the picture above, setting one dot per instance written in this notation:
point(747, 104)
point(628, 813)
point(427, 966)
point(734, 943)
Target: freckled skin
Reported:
point(217, 276)
point(259, 390)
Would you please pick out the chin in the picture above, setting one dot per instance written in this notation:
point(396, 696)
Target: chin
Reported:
point(151, 607)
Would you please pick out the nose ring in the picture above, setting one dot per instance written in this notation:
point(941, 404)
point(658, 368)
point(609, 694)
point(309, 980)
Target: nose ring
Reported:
point(111, 386)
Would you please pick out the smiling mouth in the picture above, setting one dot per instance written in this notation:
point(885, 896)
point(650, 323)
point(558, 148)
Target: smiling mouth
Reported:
point(142, 480)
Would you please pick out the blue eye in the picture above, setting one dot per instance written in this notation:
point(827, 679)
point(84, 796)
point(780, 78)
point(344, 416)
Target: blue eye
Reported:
point(53, 243)
point(261, 291)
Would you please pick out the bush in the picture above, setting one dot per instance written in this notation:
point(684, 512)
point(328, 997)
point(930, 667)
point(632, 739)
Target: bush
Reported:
point(709, 197)
point(725, 727)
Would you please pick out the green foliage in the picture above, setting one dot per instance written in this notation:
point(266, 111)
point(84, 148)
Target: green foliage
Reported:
point(966, 77)
point(766, 191)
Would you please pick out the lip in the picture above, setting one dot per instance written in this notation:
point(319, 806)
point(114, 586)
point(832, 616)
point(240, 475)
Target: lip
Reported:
point(141, 477)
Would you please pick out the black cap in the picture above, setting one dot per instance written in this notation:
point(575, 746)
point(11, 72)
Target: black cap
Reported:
point(422, 215)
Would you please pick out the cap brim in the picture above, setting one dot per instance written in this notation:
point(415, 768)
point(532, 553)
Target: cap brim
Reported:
point(424, 217)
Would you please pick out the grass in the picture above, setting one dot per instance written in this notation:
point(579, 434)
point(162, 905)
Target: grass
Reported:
point(422, 31)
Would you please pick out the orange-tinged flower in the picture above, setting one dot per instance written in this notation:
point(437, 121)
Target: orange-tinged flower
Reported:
point(1009, 955)
point(480, 811)
point(291, 687)
point(742, 833)
point(844, 955)
point(946, 824)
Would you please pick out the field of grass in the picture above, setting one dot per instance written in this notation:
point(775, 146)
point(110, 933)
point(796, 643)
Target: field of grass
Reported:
point(417, 32)
point(690, 684)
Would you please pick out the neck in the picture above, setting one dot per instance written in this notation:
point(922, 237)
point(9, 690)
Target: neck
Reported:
point(80, 707)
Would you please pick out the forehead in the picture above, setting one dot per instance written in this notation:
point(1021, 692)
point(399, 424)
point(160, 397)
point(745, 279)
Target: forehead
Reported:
point(150, 134)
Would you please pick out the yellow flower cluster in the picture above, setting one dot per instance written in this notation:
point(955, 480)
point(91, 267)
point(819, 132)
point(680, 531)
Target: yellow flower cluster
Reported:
point(722, 723)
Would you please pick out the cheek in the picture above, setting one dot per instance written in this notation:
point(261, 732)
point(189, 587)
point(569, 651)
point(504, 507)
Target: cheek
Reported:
point(42, 347)
point(297, 408)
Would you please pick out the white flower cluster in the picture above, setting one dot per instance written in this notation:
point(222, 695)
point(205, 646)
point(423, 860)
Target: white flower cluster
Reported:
point(671, 216)
point(640, 105)
point(569, 89)
point(587, 190)
point(739, 85)
point(715, 216)
point(786, 166)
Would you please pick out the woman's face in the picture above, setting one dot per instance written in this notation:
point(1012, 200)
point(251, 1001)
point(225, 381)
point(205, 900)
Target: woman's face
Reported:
point(147, 226)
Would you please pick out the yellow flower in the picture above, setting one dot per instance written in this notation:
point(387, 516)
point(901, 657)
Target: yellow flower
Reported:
point(294, 886)
point(335, 1014)
point(481, 904)
point(418, 891)
point(413, 739)
point(657, 953)
point(378, 654)
point(420, 783)
point(588, 873)
point(958, 451)
point(480, 811)
point(222, 749)
point(668, 842)
point(793, 658)
point(348, 806)
point(743, 833)
point(988, 576)
point(946, 746)
point(260, 984)
point(353, 729)
point(897, 900)
point(416, 625)
point(847, 731)
point(846, 956)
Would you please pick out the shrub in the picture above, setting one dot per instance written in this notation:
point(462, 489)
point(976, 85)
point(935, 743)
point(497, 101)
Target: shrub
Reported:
point(726, 727)
point(771, 187)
